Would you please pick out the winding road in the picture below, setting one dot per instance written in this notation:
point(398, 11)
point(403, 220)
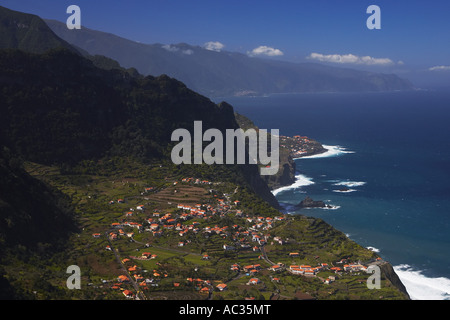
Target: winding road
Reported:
point(139, 294)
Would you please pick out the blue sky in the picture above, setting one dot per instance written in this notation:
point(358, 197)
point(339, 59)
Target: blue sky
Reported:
point(413, 35)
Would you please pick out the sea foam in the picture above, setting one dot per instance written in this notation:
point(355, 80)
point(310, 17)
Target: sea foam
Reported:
point(345, 191)
point(300, 181)
point(350, 184)
point(421, 287)
point(332, 151)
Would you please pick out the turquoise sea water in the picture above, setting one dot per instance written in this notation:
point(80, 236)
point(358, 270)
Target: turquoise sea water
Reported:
point(391, 153)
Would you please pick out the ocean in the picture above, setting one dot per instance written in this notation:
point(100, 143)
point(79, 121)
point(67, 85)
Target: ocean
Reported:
point(386, 173)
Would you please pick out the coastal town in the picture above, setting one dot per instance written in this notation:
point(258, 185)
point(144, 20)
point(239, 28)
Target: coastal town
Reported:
point(300, 146)
point(217, 232)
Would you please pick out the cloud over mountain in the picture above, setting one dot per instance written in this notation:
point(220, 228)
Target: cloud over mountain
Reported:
point(265, 51)
point(214, 46)
point(440, 68)
point(214, 72)
point(350, 59)
point(172, 48)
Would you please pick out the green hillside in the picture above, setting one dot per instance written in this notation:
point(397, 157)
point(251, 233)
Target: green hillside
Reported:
point(85, 146)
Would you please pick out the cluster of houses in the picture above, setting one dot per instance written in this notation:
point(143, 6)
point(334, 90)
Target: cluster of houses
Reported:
point(143, 282)
point(302, 270)
point(344, 266)
point(296, 144)
point(195, 181)
point(306, 270)
point(250, 237)
point(158, 223)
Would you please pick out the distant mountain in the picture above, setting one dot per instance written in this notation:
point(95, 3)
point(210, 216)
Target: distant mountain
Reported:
point(216, 74)
point(27, 32)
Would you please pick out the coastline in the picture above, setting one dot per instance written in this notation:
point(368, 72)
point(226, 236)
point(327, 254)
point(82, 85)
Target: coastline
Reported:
point(422, 287)
point(302, 180)
point(330, 151)
point(418, 285)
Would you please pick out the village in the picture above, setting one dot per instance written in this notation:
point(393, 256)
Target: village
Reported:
point(300, 146)
point(182, 221)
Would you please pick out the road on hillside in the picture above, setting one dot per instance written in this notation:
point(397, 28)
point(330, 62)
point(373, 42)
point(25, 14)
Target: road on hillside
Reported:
point(139, 293)
point(264, 255)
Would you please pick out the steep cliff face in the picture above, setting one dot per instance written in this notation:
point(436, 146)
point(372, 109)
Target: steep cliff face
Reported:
point(286, 173)
point(389, 272)
point(288, 170)
point(259, 185)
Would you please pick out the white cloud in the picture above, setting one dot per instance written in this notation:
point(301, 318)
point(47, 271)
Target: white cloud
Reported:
point(440, 68)
point(214, 46)
point(265, 51)
point(188, 52)
point(350, 59)
point(170, 48)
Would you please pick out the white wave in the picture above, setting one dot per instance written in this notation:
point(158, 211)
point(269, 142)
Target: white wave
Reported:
point(350, 184)
point(345, 191)
point(373, 249)
point(332, 151)
point(421, 287)
point(301, 181)
point(331, 207)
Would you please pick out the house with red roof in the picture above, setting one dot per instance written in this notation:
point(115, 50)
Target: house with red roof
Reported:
point(221, 287)
point(253, 281)
point(128, 294)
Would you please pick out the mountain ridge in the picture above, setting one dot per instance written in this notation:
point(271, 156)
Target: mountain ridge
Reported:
point(224, 73)
point(27, 32)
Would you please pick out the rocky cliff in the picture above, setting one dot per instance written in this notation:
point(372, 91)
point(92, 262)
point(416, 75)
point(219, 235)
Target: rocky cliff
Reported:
point(388, 271)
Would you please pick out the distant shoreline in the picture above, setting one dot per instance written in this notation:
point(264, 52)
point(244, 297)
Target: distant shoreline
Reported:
point(330, 151)
point(266, 95)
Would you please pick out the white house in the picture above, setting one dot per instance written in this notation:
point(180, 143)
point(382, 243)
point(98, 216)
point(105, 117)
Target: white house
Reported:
point(228, 247)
